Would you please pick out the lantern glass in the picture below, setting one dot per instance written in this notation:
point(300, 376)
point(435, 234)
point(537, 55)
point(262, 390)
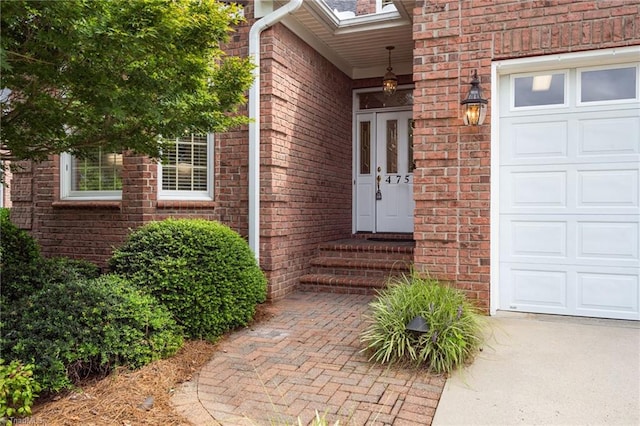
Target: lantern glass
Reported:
point(474, 114)
point(389, 84)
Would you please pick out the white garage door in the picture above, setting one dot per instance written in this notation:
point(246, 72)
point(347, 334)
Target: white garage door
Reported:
point(569, 190)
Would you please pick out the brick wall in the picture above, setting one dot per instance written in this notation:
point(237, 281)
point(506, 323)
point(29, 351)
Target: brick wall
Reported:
point(452, 180)
point(365, 7)
point(306, 156)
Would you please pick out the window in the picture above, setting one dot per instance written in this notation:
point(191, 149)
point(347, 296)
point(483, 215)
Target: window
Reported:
point(377, 99)
point(96, 177)
point(186, 169)
point(608, 84)
point(539, 90)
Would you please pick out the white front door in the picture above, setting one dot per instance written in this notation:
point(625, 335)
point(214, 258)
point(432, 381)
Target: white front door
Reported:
point(384, 172)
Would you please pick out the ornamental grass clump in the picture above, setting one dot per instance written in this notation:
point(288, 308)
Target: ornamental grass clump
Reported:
point(453, 325)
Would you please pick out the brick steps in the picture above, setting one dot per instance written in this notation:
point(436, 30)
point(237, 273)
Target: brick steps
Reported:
point(358, 265)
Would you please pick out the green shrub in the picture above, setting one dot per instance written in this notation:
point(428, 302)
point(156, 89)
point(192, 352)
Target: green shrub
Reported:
point(24, 271)
point(20, 260)
point(81, 328)
point(454, 327)
point(18, 390)
point(61, 269)
point(204, 272)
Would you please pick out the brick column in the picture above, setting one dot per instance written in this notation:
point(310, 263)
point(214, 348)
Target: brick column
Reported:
point(451, 185)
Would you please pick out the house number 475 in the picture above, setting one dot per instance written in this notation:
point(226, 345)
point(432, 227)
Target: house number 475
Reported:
point(397, 179)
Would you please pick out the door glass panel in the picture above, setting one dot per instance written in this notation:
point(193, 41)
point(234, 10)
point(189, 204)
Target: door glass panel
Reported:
point(608, 84)
point(410, 162)
point(547, 89)
point(392, 146)
point(365, 147)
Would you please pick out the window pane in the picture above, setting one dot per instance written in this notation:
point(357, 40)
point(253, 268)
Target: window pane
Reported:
point(608, 85)
point(365, 147)
point(97, 172)
point(539, 90)
point(185, 166)
point(200, 179)
point(392, 146)
point(371, 100)
point(169, 177)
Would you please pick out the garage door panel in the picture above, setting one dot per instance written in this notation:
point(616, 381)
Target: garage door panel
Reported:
point(535, 287)
point(538, 239)
point(608, 241)
point(607, 294)
point(609, 136)
point(608, 187)
point(543, 288)
point(536, 141)
point(538, 188)
point(534, 189)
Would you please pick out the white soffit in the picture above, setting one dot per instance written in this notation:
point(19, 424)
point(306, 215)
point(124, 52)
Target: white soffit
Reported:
point(357, 45)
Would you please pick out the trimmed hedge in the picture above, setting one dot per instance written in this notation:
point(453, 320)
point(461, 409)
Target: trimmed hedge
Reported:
point(82, 328)
point(203, 271)
point(20, 260)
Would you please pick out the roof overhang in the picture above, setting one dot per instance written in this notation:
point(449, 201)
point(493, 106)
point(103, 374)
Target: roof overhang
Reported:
point(356, 45)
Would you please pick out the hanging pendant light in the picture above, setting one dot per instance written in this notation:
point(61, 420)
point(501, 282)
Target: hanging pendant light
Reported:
point(390, 81)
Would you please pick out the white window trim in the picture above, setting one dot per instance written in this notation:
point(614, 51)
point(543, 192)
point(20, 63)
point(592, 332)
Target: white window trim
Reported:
point(512, 94)
point(633, 100)
point(65, 185)
point(192, 195)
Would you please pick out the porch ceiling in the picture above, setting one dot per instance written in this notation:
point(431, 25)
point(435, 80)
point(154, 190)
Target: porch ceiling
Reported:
point(357, 46)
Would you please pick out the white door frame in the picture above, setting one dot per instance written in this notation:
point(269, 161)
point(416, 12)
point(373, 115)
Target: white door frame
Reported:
point(530, 64)
point(355, 153)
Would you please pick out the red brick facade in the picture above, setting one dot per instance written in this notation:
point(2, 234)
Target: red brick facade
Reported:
point(306, 157)
point(306, 144)
point(452, 180)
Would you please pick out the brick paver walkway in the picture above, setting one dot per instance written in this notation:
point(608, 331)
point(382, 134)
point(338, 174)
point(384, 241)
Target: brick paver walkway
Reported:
point(306, 358)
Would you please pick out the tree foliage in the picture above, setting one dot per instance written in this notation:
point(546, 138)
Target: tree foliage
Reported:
point(82, 74)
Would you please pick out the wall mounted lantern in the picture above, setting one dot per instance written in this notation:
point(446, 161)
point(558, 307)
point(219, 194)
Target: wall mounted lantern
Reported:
point(390, 81)
point(475, 106)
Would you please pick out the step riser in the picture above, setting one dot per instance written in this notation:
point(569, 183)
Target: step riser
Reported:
point(365, 273)
point(318, 288)
point(342, 284)
point(361, 264)
point(408, 257)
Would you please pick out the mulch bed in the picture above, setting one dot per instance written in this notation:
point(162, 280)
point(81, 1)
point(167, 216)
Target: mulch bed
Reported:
point(127, 398)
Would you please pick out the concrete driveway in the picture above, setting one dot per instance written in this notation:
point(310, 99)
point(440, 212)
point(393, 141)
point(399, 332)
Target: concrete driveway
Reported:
point(548, 370)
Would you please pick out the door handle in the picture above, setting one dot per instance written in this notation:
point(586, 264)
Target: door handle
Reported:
point(378, 179)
